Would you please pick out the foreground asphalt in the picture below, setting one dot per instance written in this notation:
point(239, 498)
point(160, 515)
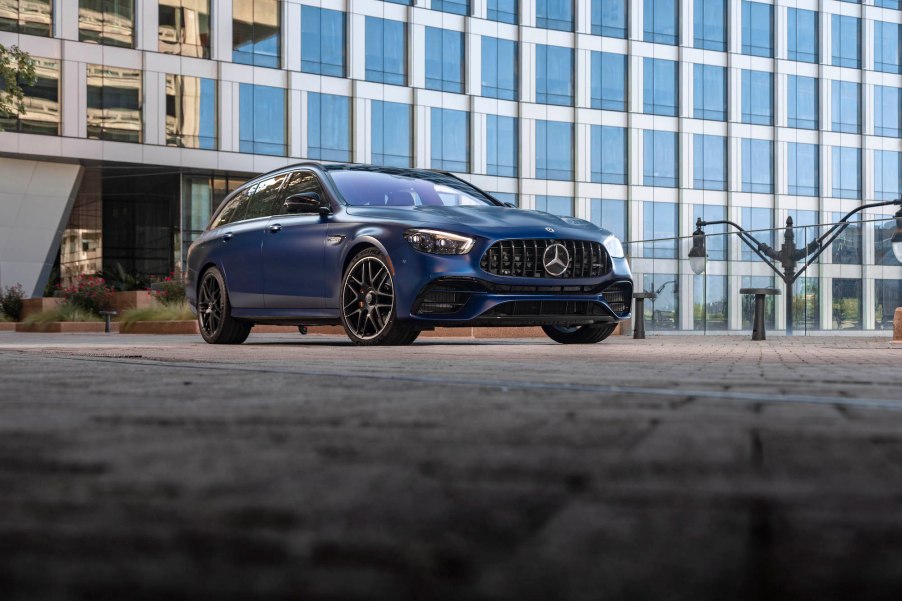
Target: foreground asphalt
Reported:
point(140, 467)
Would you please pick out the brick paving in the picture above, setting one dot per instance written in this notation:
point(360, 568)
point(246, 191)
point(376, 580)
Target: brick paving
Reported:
point(137, 467)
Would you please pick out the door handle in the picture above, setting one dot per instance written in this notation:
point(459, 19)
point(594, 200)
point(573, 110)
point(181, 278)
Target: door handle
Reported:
point(275, 228)
point(227, 236)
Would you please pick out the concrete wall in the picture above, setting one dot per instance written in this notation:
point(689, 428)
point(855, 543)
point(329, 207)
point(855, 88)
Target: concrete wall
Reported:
point(35, 200)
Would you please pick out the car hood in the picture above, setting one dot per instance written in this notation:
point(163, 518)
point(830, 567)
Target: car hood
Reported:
point(483, 219)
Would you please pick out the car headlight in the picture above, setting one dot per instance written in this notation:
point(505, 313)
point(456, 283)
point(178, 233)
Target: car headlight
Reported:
point(439, 243)
point(613, 246)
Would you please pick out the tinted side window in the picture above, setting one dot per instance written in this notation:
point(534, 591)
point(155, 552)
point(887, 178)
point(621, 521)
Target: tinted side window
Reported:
point(263, 201)
point(300, 182)
point(235, 209)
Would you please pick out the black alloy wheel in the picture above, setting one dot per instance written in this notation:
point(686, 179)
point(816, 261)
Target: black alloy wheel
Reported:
point(368, 303)
point(588, 334)
point(214, 312)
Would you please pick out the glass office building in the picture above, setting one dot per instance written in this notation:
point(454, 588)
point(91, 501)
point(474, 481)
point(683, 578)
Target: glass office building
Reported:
point(638, 115)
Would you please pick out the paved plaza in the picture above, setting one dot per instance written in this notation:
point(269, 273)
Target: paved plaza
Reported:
point(674, 468)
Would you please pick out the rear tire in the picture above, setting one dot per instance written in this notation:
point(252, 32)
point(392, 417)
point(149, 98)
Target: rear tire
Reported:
point(589, 334)
point(368, 303)
point(214, 312)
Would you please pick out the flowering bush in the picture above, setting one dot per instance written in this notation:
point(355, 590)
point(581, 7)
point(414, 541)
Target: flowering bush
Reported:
point(11, 302)
point(89, 293)
point(169, 290)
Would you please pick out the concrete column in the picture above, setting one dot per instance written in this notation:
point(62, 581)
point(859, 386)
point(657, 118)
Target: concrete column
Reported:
point(221, 28)
point(356, 46)
point(291, 36)
point(147, 25)
point(65, 19)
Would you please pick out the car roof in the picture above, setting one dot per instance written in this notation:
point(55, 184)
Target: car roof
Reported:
point(338, 166)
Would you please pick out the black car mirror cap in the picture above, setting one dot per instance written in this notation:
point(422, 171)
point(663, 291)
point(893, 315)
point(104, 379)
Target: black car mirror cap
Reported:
point(306, 203)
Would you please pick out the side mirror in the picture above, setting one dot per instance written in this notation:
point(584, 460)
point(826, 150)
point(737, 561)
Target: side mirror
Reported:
point(306, 203)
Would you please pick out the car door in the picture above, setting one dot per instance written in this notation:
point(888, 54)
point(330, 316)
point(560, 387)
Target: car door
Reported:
point(293, 251)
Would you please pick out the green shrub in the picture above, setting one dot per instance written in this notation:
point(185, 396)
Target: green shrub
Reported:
point(90, 293)
point(11, 302)
point(65, 312)
point(168, 312)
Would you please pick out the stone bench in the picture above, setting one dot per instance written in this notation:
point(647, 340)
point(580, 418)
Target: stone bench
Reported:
point(761, 295)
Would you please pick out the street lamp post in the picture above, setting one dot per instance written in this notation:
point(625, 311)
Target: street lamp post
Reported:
point(788, 256)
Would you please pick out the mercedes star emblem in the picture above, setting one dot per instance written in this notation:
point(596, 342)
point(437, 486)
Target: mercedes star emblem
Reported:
point(556, 260)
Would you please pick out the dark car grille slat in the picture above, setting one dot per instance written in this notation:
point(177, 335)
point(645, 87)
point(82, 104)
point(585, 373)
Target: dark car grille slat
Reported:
point(524, 258)
point(619, 297)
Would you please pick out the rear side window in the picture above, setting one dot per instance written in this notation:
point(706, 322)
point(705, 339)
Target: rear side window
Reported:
point(235, 208)
point(300, 182)
point(263, 200)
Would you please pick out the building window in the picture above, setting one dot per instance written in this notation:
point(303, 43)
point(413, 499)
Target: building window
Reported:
point(894, 4)
point(501, 146)
point(608, 154)
point(757, 97)
point(660, 152)
point(846, 304)
point(757, 166)
point(846, 34)
point(609, 18)
point(610, 215)
point(806, 226)
point(847, 249)
point(659, 230)
point(261, 123)
point(508, 197)
point(846, 172)
point(42, 102)
point(802, 28)
point(114, 103)
point(256, 36)
point(499, 68)
point(554, 150)
point(846, 114)
point(760, 223)
point(386, 51)
point(660, 87)
point(757, 29)
point(458, 7)
point(31, 17)
point(663, 312)
point(710, 304)
point(887, 108)
point(554, 14)
point(503, 11)
point(887, 296)
point(322, 41)
point(391, 136)
point(191, 112)
point(401, 2)
point(108, 22)
point(556, 205)
point(886, 174)
point(444, 60)
point(184, 27)
point(717, 239)
point(748, 301)
point(450, 140)
point(609, 81)
point(328, 127)
point(886, 47)
point(710, 92)
point(660, 22)
point(883, 248)
point(710, 162)
point(803, 169)
point(710, 25)
point(554, 75)
point(802, 101)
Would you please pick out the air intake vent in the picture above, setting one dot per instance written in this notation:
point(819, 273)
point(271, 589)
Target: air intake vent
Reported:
point(619, 296)
point(440, 300)
point(524, 259)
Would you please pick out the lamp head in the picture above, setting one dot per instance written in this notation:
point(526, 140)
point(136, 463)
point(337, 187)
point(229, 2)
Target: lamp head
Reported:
point(698, 254)
point(897, 237)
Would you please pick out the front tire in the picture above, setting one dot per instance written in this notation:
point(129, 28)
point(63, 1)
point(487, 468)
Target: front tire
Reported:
point(214, 312)
point(368, 303)
point(589, 334)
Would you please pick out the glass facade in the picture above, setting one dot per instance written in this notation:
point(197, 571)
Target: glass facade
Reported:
point(391, 134)
point(660, 21)
point(322, 41)
point(191, 112)
point(114, 104)
point(556, 205)
point(608, 152)
point(757, 166)
point(450, 147)
point(184, 27)
point(501, 146)
point(845, 40)
point(802, 42)
point(609, 81)
point(41, 100)
point(554, 14)
point(256, 32)
point(503, 11)
point(660, 87)
point(660, 155)
point(757, 29)
point(887, 108)
point(757, 97)
point(109, 22)
point(886, 47)
point(31, 17)
point(499, 68)
point(609, 18)
point(710, 92)
point(846, 172)
point(846, 112)
point(803, 169)
point(709, 170)
point(386, 51)
point(802, 102)
point(261, 127)
point(710, 24)
point(554, 150)
point(444, 60)
point(659, 224)
point(554, 75)
point(328, 127)
point(611, 214)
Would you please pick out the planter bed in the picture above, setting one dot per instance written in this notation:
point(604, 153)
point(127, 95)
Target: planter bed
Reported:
point(66, 327)
point(160, 327)
point(7, 326)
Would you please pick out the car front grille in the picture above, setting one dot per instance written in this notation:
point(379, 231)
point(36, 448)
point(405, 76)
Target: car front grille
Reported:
point(442, 300)
point(523, 258)
point(547, 309)
point(619, 296)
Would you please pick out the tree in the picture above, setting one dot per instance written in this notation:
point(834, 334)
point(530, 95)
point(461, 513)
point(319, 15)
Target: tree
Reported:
point(16, 70)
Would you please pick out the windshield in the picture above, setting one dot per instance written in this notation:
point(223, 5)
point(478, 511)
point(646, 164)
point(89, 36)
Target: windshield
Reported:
point(405, 189)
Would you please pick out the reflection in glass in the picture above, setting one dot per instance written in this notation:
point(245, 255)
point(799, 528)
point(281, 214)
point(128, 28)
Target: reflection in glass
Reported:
point(748, 301)
point(554, 75)
point(32, 17)
point(328, 127)
point(609, 18)
point(709, 162)
point(610, 215)
point(802, 95)
point(501, 145)
point(261, 128)
point(256, 36)
point(846, 114)
point(660, 159)
point(884, 229)
point(608, 81)
point(659, 229)
point(805, 227)
point(114, 103)
point(757, 166)
point(887, 109)
point(846, 249)
point(554, 150)
point(190, 112)
point(757, 97)
point(322, 41)
point(503, 11)
point(846, 172)
point(846, 304)
point(887, 296)
point(662, 312)
point(886, 47)
point(507, 197)
point(887, 174)
point(757, 29)
point(660, 21)
point(386, 51)
point(184, 27)
point(659, 90)
point(846, 47)
point(457, 7)
point(709, 307)
point(803, 169)
point(109, 22)
point(716, 241)
point(710, 92)
point(802, 26)
point(42, 105)
point(710, 25)
point(759, 222)
point(556, 205)
point(499, 68)
point(450, 150)
point(444, 60)
point(554, 14)
point(608, 154)
point(391, 134)
point(806, 303)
